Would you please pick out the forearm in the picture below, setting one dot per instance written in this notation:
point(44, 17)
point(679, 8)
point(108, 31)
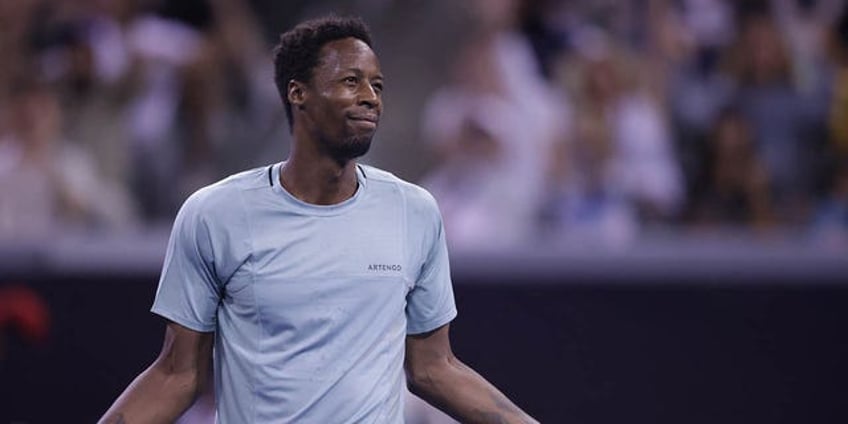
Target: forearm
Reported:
point(460, 392)
point(155, 396)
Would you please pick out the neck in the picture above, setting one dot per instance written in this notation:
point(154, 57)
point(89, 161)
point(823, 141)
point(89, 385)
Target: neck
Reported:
point(319, 180)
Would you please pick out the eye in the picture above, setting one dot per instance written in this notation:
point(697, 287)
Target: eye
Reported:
point(351, 80)
point(378, 87)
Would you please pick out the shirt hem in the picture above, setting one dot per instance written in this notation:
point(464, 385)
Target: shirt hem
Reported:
point(432, 324)
point(191, 325)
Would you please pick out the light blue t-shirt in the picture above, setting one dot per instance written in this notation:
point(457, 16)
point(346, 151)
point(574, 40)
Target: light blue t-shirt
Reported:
point(310, 304)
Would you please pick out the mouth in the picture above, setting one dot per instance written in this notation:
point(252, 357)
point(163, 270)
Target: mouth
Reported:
point(366, 119)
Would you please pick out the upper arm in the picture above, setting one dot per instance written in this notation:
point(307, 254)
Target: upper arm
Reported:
point(190, 289)
point(186, 352)
point(427, 350)
point(430, 303)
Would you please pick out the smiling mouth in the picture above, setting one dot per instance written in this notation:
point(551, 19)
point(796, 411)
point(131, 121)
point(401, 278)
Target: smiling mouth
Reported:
point(364, 118)
point(364, 124)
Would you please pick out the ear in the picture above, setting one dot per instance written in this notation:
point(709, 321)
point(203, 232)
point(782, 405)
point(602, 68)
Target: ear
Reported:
point(296, 93)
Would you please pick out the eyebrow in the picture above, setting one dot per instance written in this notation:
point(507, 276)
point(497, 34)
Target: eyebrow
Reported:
point(359, 73)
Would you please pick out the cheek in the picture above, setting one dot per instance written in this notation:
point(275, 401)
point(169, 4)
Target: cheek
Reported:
point(328, 114)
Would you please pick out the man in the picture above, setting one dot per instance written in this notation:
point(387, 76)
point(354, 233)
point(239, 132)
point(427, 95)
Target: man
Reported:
point(317, 279)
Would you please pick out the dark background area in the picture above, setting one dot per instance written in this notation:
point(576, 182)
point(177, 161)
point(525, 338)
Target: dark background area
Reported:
point(567, 350)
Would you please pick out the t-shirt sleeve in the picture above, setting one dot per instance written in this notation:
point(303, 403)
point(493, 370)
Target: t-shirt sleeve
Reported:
point(430, 304)
point(189, 290)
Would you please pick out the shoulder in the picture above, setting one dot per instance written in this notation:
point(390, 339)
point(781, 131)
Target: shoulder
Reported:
point(223, 199)
point(415, 195)
point(419, 202)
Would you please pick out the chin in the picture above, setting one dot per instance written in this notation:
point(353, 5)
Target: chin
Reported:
point(352, 148)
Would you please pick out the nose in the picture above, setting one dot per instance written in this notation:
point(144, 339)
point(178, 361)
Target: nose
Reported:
point(368, 96)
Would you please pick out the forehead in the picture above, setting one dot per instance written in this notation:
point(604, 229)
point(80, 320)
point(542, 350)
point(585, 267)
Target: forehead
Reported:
point(347, 53)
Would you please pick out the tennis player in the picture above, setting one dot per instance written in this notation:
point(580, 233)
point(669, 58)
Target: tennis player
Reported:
point(318, 280)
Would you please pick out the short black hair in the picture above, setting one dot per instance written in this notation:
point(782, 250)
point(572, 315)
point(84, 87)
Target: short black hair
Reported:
point(298, 51)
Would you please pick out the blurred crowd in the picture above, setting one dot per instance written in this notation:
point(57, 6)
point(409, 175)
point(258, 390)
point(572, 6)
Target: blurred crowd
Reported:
point(596, 122)
point(573, 121)
point(113, 111)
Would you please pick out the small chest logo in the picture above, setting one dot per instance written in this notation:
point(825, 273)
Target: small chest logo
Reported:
point(385, 267)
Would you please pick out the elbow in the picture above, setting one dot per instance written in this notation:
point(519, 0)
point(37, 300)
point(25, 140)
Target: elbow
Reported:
point(184, 384)
point(426, 378)
point(413, 383)
point(418, 386)
point(419, 379)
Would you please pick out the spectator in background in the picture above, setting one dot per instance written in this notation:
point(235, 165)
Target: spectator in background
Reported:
point(786, 123)
point(46, 182)
point(547, 26)
point(690, 39)
point(805, 26)
point(733, 192)
point(28, 200)
point(492, 126)
point(84, 54)
point(838, 113)
point(830, 220)
point(168, 138)
point(16, 19)
point(244, 103)
point(618, 168)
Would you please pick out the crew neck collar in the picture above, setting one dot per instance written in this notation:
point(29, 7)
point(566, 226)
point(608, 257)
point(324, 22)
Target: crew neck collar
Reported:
point(313, 209)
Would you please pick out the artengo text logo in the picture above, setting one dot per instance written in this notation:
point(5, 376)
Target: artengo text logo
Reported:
point(384, 267)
